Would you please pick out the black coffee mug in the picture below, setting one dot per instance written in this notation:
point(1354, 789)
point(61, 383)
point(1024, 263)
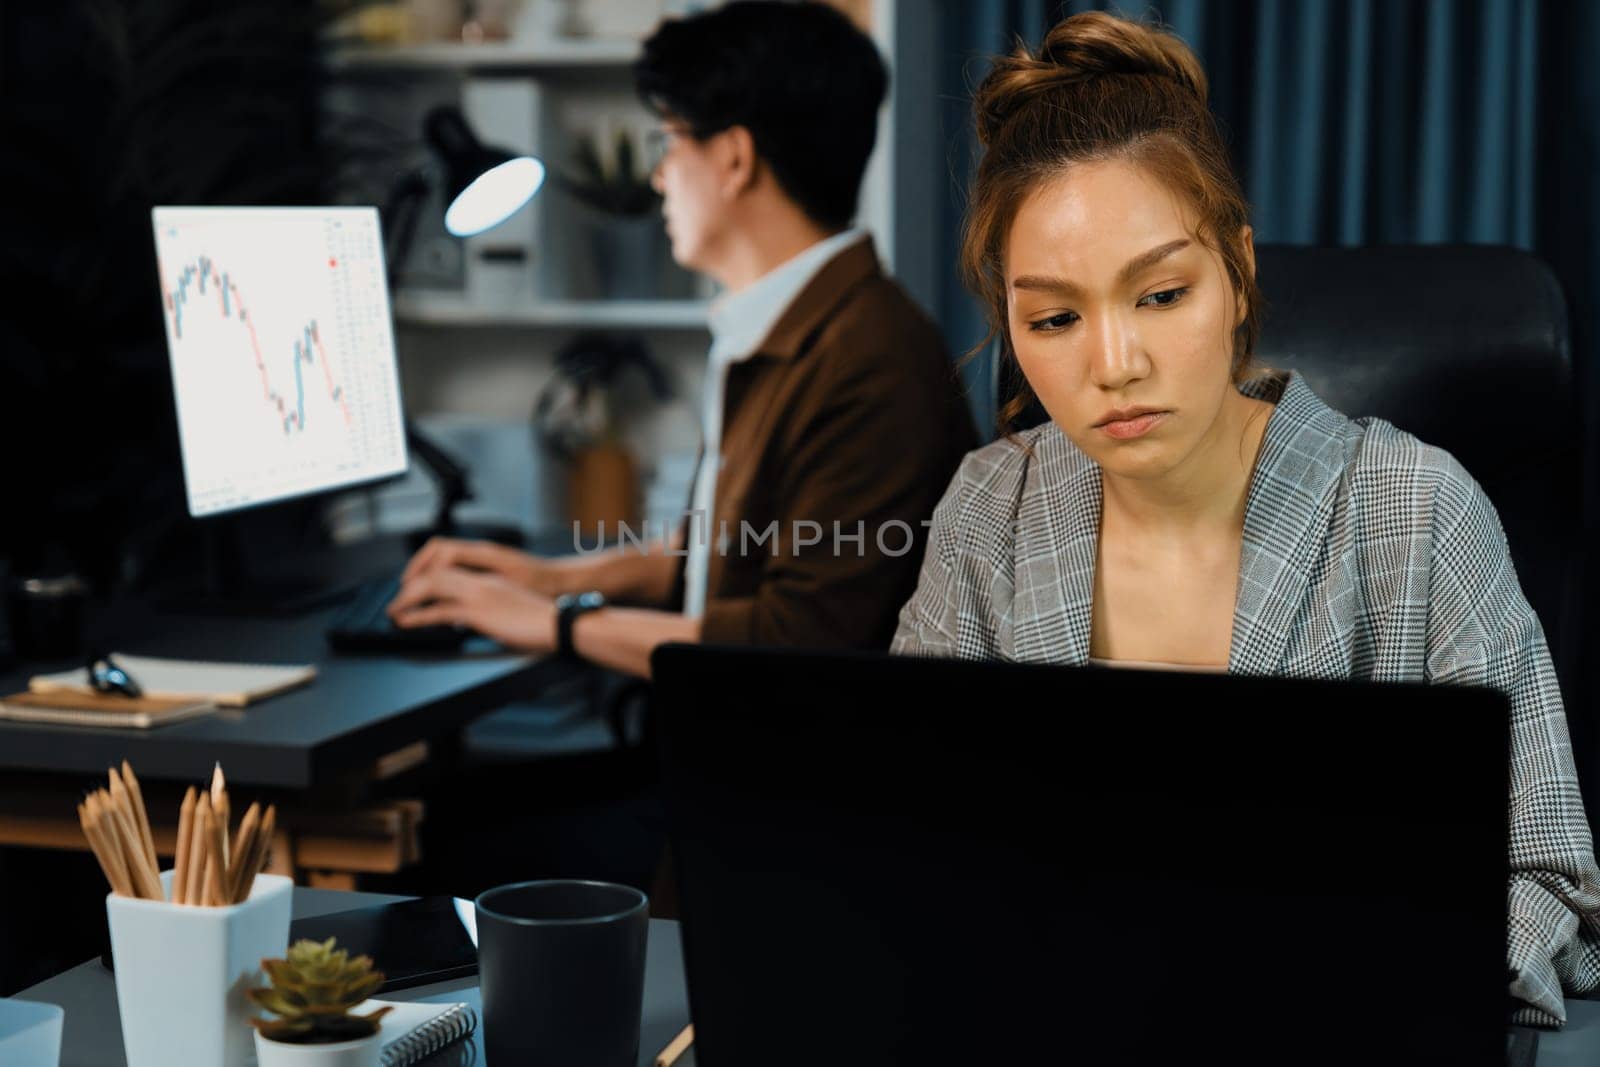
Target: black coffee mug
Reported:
point(561, 971)
point(46, 616)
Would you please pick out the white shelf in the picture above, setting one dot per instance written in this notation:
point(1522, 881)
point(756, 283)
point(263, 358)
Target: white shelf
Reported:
point(556, 314)
point(503, 56)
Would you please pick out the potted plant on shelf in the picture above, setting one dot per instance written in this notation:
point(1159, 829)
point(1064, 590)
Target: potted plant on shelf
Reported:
point(576, 420)
point(621, 218)
point(313, 992)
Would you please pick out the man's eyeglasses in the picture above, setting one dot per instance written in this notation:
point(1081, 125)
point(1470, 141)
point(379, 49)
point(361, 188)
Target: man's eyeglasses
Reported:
point(658, 141)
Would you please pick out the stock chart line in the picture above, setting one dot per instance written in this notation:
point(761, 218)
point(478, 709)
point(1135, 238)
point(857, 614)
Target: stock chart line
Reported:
point(307, 348)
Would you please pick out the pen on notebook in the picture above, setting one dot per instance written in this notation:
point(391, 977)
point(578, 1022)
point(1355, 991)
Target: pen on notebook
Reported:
point(105, 676)
point(676, 1047)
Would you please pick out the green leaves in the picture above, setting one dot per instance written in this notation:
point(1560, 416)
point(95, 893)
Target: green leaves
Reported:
point(312, 992)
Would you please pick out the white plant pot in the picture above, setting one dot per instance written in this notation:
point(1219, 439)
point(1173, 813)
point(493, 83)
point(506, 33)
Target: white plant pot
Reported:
point(182, 973)
point(368, 1052)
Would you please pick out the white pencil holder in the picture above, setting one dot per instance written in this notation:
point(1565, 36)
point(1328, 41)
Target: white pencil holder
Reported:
point(182, 973)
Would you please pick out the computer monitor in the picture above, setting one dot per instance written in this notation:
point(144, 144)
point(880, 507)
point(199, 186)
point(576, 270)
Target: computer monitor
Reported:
point(282, 352)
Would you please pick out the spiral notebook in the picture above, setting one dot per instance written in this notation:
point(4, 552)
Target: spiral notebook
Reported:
point(412, 1032)
point(232, 685)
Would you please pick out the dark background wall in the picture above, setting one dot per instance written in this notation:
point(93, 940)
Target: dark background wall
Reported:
point(106, 108)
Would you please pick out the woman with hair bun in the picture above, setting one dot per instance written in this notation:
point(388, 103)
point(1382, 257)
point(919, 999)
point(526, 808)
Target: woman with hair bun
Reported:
point(1183, 507)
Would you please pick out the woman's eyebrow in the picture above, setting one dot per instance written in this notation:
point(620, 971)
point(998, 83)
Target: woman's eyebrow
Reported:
point(1142, 262)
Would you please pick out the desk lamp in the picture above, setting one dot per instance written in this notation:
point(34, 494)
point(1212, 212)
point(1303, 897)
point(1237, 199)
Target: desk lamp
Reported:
point(483, 186)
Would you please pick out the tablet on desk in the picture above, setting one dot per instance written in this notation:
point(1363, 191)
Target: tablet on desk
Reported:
point(413, 942)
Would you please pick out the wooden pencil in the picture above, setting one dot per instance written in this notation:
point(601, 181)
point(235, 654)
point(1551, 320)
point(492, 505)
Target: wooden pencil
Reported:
point(194, 891)
point(115, 800)
point(219, 807)
point(216, 863)
point(123, 878)
point(91, 833)
point(136, 795)
point(180, 859)
point(143, 877)
point(204, 836)
point(676, 1047)
point(243, 846)
point(259, 853)
point(104, 825)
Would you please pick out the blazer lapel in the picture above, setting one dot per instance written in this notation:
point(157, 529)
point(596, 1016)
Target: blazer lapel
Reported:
point(1287, 513)
point(1058, 538)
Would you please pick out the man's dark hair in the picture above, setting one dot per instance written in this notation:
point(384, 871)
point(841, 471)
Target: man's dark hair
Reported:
point(801, 78)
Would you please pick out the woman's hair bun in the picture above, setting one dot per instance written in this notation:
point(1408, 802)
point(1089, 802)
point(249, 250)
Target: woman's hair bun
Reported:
point(1084, 47)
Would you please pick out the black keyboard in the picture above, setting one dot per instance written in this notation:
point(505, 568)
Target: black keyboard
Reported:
point(363, 625)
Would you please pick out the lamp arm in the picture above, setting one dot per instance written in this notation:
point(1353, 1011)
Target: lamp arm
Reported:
point(399, 219)
point(400, 216)
point(450, 476)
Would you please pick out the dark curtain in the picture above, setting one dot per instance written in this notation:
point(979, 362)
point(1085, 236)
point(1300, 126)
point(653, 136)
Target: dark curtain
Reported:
point(1359, 122)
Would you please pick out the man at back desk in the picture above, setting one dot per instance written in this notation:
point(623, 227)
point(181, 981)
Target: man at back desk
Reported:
point(832, 417)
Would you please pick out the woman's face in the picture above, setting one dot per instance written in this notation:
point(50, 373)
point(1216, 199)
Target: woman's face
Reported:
point(1120, 318)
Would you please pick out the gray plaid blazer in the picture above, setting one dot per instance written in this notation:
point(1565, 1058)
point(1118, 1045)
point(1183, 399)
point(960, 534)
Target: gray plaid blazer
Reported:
point(1367, 555)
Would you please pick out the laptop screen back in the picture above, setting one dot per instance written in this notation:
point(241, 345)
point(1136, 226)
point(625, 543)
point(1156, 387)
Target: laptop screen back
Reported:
point(900, 861)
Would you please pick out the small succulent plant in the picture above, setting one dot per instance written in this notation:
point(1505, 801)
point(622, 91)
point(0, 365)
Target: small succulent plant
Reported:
point(312, 993)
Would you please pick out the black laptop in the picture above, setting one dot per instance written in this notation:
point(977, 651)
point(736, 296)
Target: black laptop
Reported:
point(901, 861)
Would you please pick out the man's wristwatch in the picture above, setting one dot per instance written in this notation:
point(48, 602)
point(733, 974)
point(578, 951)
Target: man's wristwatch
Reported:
point(568, 607)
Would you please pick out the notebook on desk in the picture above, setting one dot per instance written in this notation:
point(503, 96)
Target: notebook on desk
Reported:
point(66, 708)
point(231, 685)
point(414, 1031)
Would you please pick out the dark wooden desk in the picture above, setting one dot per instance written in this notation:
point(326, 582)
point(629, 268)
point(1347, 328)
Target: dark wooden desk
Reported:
point(92, 1035)
point(358, 709)
point(92, 1031)
point(314, 750)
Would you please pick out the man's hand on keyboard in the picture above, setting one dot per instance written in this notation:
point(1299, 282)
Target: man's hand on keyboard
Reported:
point(517, 567)
point(480, 600)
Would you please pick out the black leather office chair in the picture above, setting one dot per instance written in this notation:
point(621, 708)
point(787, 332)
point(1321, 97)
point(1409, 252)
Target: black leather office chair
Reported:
point(1466, 347)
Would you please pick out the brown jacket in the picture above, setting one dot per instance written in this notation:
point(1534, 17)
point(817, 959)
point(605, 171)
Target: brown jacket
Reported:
point(849, 417)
